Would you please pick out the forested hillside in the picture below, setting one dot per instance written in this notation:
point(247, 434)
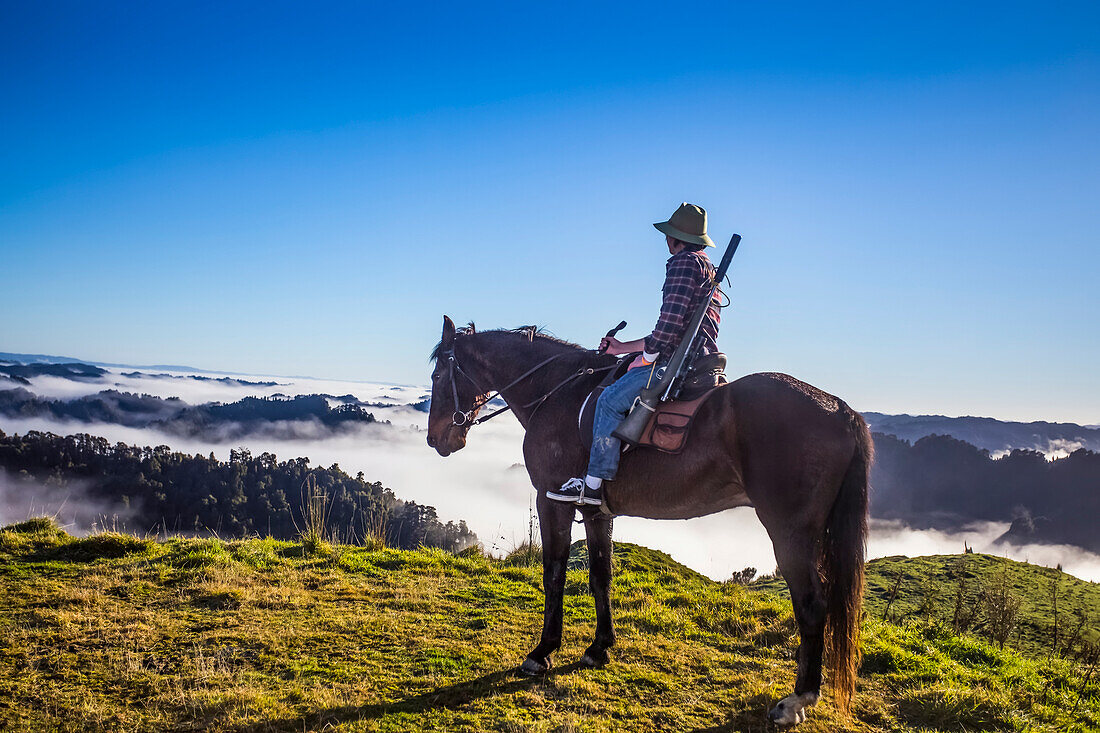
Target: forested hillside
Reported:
point(247, 495)
point(946, 483)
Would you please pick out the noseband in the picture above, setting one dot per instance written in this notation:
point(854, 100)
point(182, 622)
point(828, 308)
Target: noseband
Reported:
point(461, 418)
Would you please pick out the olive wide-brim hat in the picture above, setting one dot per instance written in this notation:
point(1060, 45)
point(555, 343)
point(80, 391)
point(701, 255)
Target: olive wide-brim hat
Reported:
point(688, 224)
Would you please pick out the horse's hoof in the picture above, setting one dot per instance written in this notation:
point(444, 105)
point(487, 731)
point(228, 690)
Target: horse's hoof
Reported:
point(595, 658)
point(779, 716)
point(791, 710)
point(533, 668)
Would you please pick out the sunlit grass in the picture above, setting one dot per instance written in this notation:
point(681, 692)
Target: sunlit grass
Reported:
point(259, 635)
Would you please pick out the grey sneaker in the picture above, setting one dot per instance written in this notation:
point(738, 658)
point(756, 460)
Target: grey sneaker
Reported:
point(577, 492)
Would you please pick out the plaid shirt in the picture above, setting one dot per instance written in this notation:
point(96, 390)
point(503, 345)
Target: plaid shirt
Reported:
point(687, 278)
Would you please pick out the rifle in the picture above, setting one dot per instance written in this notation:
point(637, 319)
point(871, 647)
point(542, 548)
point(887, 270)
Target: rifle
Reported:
point(645, 404)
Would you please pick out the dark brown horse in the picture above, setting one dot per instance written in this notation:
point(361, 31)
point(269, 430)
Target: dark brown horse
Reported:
point(799, 456)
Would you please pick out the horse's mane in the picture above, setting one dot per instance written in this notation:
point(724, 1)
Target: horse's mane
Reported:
point(534, 334)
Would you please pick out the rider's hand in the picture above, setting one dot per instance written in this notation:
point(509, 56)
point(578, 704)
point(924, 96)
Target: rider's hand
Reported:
point(638, 362)
point(612, 345)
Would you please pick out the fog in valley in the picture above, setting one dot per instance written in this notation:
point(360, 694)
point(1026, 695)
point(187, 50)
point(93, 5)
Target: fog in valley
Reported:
point(485, 484)
point(70, 506)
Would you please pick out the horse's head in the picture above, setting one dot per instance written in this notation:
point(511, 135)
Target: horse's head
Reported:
point(455, 398)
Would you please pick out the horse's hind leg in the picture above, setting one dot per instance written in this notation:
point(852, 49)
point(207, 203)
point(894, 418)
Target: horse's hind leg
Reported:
point(797, 560)
point(597, 527)
point(555, 524)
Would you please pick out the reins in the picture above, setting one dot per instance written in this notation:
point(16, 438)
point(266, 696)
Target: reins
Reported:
point(462, 417)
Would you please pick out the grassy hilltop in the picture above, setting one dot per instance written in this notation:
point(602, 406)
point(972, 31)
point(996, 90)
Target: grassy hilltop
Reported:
point(118, 633)
point(941, 587)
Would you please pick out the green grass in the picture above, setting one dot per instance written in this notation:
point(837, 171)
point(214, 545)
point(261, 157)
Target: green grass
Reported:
point(932, 582)
point(260, 635)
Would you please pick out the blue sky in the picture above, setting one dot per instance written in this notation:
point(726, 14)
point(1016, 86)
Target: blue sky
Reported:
point(305, 188)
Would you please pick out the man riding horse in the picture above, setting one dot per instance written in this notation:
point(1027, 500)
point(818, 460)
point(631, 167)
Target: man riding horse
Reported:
point(688, 276)
point(800, 457)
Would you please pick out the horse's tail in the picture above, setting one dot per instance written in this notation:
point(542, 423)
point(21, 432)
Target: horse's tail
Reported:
point(842, 566)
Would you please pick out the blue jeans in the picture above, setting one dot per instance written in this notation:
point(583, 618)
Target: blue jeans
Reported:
point(611, 408)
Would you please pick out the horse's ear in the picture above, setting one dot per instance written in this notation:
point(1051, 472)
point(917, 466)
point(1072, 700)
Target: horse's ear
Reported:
point(448, 332)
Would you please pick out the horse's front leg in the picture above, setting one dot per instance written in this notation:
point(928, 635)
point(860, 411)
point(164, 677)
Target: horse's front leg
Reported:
point(556, 524)
point(597, 527)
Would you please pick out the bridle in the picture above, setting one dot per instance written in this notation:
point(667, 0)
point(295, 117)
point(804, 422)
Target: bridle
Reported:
point(461, 418)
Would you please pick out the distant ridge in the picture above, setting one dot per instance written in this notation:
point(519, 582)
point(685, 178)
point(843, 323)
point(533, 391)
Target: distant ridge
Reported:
point(995, 436)
point(39, 359)
point(49, 359)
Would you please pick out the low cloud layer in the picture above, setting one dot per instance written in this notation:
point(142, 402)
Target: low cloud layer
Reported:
point(197, 392)
point(485, 484)
point(895, 538)
point(71, 506)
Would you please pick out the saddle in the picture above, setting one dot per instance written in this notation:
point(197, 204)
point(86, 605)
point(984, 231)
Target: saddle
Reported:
point(670, 425)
